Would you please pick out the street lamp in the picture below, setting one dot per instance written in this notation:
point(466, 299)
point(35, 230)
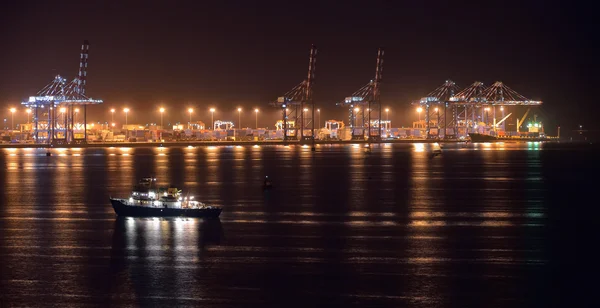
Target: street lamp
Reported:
point(304, 115)
point(28, 110)
point(356, 110)
point(256, 112)
point(240, 117)
point(319, 115)
point(76, 114)
point(419, 110)
point(212, 117)
point(126, 112)
point(486, 115)
point(437, 111)
point(112, 115)
point(387, 114)
point(162, 110)
point(190, 110)
point(12, 121)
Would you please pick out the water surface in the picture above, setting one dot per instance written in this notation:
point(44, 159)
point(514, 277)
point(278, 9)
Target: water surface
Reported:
point(487, 225)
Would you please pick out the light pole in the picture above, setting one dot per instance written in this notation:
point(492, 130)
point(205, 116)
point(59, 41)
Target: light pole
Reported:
point(304, 115)
point(356, 110)
point(190, 110)
point(502, 109)
point(437, 111)
point(12, 121)
point(76, 114)
point(256, 112)
point(419, 110)
point(240, 117)
point(126, 112)
point(319, 115)
point(28, 113)
point(64, 115)
point(212, 117)
point(487, 122)
point(162, 110)
point(112, 115)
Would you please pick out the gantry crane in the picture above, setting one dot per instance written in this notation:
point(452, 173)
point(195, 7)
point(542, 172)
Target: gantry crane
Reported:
point(363, 103)
point(296, 103)
point(464, 110)
point(59, 94)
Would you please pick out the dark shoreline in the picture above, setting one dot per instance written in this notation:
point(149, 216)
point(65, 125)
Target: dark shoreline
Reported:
point(236, 143)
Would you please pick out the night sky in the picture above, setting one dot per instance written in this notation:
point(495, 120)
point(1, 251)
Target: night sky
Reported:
point(226, 54)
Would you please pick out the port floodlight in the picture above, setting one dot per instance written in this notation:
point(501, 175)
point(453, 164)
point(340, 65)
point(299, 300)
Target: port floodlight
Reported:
point(162, 109)
point(318, 110)
point(305, 109)
point(28, 110)
point(388, 109)
point(436, 109)
point(356, 109)
point(190, 110)
point(240, 109)
point(212, 109)
point(63, 110)
point(112, 110)
point(256, 110)
point(77, 110)
point(126, 110)
point(419, 110)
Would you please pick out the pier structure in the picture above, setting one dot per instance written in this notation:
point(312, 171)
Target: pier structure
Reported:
point(56, 107)
point(453, 113)
point(297, 106)
point(364, 107)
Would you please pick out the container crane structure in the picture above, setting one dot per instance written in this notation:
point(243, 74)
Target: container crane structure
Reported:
point(296, 103)
point(463, 111)
point(364, 102)
point(64, 96)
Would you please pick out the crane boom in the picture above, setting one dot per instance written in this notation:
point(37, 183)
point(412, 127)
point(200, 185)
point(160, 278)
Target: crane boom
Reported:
point(519, 123)
point(503, 119)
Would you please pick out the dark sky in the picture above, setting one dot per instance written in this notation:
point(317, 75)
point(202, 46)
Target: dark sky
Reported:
point(246, 53)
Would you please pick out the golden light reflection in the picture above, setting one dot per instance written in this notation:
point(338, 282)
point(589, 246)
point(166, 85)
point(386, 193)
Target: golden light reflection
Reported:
point(419, 147)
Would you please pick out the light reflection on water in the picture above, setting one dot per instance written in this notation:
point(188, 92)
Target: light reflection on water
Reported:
point(395, 227)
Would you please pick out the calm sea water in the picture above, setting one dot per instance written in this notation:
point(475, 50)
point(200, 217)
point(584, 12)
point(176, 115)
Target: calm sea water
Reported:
point(488, 225)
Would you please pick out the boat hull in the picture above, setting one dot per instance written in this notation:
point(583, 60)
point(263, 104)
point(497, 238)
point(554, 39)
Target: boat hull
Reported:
point(482, 138)
point(488, 138)
point(122, 209)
